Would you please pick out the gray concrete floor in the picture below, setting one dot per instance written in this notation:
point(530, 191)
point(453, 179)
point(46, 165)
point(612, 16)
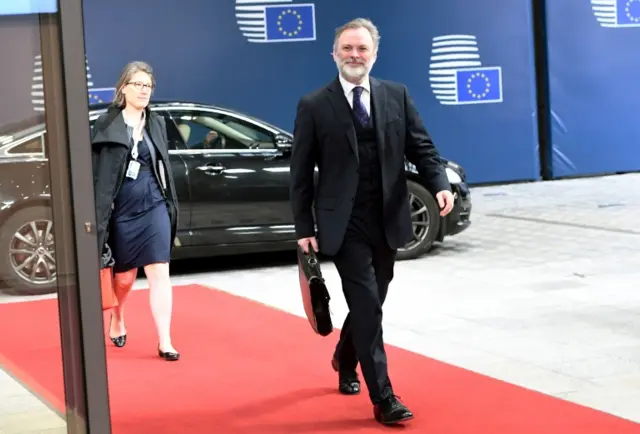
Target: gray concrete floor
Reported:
point(542, 291)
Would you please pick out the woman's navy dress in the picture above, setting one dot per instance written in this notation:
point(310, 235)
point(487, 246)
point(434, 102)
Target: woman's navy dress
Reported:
point(141, 227)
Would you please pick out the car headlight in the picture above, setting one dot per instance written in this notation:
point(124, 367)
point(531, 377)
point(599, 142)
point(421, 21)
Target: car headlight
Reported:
point(453, 176)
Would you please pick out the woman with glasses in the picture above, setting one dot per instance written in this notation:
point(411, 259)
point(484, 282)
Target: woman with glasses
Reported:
point(136, 201)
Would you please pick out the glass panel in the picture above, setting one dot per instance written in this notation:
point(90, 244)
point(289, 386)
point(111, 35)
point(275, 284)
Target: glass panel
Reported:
point(31, 391)
point(47, 376)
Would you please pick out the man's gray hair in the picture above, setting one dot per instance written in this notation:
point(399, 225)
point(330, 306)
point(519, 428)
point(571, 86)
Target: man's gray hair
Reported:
point(359, 23)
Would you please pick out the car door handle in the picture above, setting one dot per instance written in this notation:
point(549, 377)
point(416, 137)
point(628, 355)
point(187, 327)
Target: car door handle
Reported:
point(211, 169)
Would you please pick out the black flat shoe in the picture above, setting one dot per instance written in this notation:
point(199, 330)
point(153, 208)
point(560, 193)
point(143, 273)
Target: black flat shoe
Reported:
point(119, 341)
point(169, 356)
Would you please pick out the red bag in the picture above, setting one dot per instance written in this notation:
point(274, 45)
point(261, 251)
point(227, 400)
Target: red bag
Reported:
point(107, 287)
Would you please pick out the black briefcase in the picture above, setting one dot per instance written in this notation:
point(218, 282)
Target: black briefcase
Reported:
point(315, 296)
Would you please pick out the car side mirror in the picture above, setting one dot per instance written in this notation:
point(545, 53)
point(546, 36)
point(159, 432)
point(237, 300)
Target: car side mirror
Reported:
point(283, 143)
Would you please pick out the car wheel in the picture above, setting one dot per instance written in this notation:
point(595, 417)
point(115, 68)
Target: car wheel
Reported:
point(29, 265)
point(425, 219)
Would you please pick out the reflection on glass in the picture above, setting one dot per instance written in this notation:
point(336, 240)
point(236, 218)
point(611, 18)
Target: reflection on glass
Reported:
point(31, 376)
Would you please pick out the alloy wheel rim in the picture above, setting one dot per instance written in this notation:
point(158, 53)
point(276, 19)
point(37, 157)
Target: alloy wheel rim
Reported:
point(419, 222)
point(32, 252)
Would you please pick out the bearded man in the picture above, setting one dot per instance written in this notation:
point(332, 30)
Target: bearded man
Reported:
point(357, 131)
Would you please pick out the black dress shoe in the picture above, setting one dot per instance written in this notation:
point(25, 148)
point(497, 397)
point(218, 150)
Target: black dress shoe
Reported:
point(348, 385)
point(348, 382)
point(391, 411)
point(169, 356)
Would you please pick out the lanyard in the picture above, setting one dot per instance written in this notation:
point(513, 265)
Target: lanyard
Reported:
point(134, 149)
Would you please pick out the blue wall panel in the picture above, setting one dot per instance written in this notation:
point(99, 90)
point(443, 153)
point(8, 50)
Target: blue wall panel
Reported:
point(495, 141)
point(594, 87)
point(199, 53)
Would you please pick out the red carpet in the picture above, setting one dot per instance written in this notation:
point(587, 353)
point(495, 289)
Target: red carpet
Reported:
point(250, 369)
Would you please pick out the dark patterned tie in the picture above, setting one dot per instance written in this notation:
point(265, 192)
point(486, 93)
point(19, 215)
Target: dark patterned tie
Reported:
point(359, 108)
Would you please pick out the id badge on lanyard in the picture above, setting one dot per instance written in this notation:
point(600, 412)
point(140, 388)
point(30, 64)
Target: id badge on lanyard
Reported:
point(134, 166)
point(133, 169)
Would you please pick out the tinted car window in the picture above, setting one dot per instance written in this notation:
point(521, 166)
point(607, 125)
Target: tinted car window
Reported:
point(33, 146)
point(30, 147)
point(204, 130)
point(173, 134)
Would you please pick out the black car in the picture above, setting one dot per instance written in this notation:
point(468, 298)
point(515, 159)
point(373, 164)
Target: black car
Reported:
point(232, 180)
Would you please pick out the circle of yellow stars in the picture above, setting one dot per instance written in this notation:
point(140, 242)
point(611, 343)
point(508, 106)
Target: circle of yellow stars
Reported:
point(295, 14)
point(627, 10)
point(487, 85)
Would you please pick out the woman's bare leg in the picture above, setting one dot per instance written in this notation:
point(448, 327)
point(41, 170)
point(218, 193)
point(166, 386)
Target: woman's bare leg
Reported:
point(123, 282)
point(161, 301)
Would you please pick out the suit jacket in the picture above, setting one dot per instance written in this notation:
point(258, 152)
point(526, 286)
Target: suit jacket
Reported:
point(324, 136)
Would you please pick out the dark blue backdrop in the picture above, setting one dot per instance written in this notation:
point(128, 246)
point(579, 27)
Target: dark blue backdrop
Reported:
point(595, 93)
point(200, 54)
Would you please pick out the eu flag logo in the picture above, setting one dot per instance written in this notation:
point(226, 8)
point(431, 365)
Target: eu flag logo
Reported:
point(456, 73)
point(628, 12)
point(617, 13)
point(294, 22)
point(479, 85)
point(101, 95)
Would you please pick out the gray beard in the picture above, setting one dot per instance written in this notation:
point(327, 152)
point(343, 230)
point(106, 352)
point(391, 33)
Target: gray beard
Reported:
point(357, 73)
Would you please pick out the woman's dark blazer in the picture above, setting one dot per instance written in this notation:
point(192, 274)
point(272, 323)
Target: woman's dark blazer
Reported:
point(110, 148)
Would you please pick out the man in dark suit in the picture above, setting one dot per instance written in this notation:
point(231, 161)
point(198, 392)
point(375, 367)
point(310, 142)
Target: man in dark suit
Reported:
point(357, 131)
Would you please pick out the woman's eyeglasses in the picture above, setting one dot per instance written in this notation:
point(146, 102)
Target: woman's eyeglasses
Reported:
point(139, 85)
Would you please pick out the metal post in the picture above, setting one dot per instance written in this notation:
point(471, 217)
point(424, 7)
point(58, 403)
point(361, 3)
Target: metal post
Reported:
point(77, 259)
